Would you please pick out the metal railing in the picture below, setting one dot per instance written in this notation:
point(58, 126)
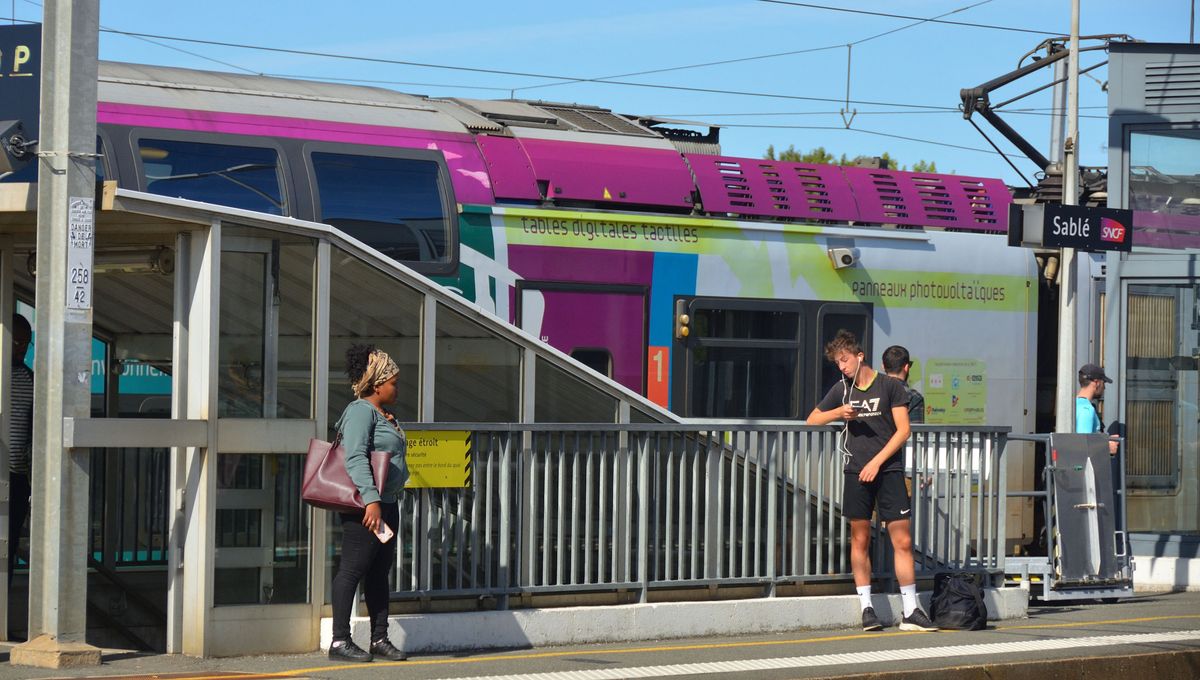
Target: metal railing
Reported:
point(567, 508)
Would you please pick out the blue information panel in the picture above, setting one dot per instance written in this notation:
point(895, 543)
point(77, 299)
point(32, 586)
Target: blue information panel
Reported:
point(20, 83)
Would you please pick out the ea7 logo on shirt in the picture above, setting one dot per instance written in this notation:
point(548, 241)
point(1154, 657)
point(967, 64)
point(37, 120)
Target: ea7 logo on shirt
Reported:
point(870, 405)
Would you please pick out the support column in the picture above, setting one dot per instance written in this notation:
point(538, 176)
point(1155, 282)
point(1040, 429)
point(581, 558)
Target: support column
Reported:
point(200, 464)
point(63, 354)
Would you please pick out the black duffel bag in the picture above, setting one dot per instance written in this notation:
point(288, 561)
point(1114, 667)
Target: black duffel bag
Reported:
point(957, 602)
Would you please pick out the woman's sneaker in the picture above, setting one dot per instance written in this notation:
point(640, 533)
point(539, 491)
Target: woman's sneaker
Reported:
point(870, 621)
point(917, 621)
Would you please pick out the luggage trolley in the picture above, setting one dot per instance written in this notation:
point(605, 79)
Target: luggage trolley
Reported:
point(1087, 548)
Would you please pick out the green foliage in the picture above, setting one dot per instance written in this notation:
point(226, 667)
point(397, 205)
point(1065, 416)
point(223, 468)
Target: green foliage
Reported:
point(821, 155)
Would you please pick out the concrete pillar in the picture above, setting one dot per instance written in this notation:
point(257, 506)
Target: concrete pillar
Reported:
point(62, 361)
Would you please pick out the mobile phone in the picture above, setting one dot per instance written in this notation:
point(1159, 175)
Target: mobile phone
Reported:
point(385, 533)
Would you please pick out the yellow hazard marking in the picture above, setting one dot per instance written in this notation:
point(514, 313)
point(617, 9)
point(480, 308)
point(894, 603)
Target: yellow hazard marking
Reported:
point(607, 196)
point(670, 648)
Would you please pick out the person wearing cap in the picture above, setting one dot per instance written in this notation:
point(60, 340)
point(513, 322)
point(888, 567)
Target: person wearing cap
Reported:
point(1091, 389)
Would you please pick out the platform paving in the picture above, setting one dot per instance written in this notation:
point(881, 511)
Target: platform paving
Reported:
point(1152, 636)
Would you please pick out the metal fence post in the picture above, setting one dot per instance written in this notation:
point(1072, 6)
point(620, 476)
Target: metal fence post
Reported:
point(643, 510)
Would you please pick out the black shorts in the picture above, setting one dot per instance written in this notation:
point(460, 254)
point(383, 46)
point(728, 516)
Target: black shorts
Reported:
point(887, 491)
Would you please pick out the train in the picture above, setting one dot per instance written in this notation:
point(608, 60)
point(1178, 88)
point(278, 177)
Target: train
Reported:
point(708, 283)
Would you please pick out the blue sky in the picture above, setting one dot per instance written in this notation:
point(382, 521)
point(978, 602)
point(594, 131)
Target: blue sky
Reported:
point(925, 65)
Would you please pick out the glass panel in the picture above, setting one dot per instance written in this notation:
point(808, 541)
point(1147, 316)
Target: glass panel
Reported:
point(392, 204)
point(261, 530)
point(265, 349)
point(563, 398)
point(236, 176)
point(639, 416)
point(743, 382)
point(746, 323)
point(477, 377)
point(369, 307)
point(240, 386)
point(1164, 171)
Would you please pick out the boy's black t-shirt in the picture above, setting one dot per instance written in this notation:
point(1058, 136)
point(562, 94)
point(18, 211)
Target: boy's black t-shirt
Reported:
point(874, 426)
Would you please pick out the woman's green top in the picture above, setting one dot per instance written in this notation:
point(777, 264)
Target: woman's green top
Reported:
point(365, 429)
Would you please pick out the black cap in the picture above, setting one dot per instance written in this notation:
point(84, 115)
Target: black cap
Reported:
point(1093, 372)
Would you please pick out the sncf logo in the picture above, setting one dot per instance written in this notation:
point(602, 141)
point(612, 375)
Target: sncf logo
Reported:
point(1111, 230)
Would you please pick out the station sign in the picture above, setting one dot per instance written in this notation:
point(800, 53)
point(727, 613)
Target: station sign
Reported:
point(1070, 226)
point(1073, 226)
point(20, 81)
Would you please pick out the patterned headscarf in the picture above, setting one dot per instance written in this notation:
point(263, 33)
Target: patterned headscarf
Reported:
point(380, 369)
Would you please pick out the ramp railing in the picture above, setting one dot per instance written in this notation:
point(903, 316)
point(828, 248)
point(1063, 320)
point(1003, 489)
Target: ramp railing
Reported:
point(634, 508)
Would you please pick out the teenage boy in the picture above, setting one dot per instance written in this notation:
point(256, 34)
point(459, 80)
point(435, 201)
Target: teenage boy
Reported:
point(874, 409)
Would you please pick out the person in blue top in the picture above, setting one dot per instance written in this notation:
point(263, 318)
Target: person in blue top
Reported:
point(1091, 389)
point(367, 426)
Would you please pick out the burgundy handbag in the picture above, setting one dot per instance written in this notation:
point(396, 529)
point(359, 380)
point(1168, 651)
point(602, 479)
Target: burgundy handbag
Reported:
point(327, 484)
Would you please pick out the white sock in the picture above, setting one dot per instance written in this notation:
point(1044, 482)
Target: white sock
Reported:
point(908, 593)
point(864, 596)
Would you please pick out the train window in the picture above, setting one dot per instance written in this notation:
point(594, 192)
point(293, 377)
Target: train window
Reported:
point(599, 360)
point(744, 361)
point(235, 176)
point(830, 322)
point(395, 205)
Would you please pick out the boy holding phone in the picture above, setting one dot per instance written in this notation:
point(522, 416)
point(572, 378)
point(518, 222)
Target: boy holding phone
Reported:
point(874, 408)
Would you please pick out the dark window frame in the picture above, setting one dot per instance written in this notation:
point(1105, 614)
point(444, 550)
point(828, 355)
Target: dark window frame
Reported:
point(137, 134)
point(445, 192)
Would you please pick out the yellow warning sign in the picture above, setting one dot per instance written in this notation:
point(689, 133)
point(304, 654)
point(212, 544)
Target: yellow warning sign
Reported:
point(607, 196)
point(439, 459)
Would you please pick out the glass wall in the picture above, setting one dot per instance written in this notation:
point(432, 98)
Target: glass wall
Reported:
point(477, 375)
point(367, 306)
point(1164, 171)
point(264, 371)
point(562, 398)
point(265, 351)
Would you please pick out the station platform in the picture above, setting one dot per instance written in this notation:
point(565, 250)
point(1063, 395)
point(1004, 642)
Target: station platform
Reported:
point(1153, 635)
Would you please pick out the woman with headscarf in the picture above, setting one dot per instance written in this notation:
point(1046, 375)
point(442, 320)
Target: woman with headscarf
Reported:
point(367, 426)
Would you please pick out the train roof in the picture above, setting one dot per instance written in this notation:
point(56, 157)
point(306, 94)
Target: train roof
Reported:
point(502, 151)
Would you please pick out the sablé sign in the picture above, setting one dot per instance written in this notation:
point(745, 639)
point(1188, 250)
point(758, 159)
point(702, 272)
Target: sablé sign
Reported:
point(1070, 226)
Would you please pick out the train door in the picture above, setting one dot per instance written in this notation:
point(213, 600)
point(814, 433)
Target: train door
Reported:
point(603, 326)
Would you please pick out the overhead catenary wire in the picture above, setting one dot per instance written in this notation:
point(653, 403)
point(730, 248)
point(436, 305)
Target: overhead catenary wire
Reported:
point(474, 69)
point(890, 15)
point(773, 55)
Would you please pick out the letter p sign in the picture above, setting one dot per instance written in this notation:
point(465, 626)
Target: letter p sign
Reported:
point(20, 57)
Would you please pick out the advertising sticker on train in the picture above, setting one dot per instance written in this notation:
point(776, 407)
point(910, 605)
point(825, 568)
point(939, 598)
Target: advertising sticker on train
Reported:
point(439, 459)
point(80, 241)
